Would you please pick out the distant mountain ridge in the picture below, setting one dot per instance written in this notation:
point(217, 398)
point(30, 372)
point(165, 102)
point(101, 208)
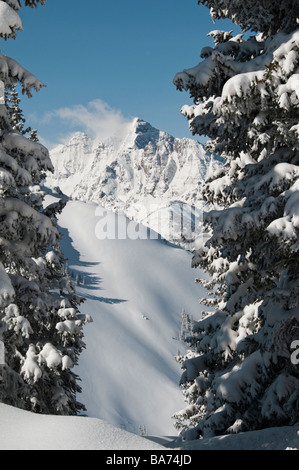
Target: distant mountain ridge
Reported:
point(148, 175)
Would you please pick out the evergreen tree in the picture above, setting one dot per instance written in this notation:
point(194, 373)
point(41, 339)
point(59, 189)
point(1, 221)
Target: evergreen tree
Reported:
point(40, 323)
point(18, 120)
point(33, 135)
point(238, 374)
point(16, 113)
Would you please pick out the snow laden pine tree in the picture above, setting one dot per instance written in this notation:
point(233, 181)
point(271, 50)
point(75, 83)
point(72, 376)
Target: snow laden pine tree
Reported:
point(12, 102)
point(16, 113)
point(238, 374)
point(40, 325)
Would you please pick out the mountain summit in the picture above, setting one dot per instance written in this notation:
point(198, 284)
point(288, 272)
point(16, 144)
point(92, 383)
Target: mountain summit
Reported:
point(146, 173)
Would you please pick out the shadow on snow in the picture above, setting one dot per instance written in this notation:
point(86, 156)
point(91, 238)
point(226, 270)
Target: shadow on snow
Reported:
point(85, 280)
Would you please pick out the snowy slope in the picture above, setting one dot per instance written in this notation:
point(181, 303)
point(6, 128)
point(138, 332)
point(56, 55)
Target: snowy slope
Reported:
point(22, 430)
point(129, 376)
point(148, 175)
point(135, 291)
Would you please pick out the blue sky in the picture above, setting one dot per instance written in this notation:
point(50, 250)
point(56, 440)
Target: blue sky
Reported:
point(109, 60)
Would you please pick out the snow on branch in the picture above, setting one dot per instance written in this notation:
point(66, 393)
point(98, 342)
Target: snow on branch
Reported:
point(14, 141)
point(9, 21)
point(15, 4)
point(11, 70)
point(33, 3)
point(268, 16)
point(7, 291)
point(43, 225)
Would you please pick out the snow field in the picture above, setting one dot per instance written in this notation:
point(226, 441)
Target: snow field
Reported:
point(22, 430)
point(135, 291)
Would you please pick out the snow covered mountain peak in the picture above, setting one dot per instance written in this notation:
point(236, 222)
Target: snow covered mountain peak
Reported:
point(146, 171)
point(79, 137)
point(144, 133)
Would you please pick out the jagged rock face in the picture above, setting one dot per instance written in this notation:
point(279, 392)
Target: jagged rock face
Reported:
point(147, 172)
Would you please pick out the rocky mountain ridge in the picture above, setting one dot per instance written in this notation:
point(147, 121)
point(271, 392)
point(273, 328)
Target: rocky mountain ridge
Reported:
point(148, 175)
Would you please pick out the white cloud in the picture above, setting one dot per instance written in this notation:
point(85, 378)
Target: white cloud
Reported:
point(97, 119)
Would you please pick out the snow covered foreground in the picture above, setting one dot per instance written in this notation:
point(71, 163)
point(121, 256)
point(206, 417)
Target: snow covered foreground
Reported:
point(22, 430)
point(135, 291)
